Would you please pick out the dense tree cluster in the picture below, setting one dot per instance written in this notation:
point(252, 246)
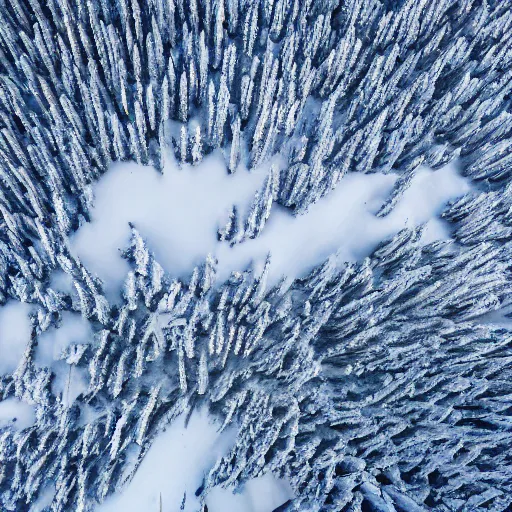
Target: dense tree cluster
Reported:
point(372, 383)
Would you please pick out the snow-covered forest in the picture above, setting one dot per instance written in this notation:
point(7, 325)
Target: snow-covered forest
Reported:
point(286, 224)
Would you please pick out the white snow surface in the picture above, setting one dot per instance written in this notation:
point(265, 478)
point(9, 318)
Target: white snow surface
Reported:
point(344, 221)
point(177, 462)
point(15, 330)
point(16, 414)
point(74, 329)
point(262, 494)
point(44, 500)
point(69, 381)
point(178, 213)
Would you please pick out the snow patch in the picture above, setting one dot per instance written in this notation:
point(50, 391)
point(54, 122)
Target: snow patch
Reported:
point(344, 221)
point(262, 494)
point(180, 211)
point(69, 381)
point(15, 331)
point(74, 329)
point(44, 500)
point(16, 414)
point(61, 282)
point(177, 212)
point(177, 462)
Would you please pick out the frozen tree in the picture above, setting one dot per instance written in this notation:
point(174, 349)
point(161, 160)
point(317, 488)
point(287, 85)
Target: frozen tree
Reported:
point(197, 146)
point(183, 97)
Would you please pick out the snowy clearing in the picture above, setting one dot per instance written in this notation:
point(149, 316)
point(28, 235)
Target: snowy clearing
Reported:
point(345, 221)
point(177, 462)
point(74, 329)
point(69, 381)
point(15, 330)
point(16, 414)
point(178, 213)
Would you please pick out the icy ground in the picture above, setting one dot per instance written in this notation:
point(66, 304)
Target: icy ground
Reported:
point(166, 209)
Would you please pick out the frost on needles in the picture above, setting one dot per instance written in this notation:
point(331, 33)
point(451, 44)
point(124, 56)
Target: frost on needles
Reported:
point(377, 385)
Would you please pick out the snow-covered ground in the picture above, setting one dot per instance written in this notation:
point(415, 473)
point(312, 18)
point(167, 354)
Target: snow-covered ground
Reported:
point(69, 381)
point(344, 221)
point(179, 212)
point(73, 329)
point(176, 464)
point(17, 414)
point(15, 329)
